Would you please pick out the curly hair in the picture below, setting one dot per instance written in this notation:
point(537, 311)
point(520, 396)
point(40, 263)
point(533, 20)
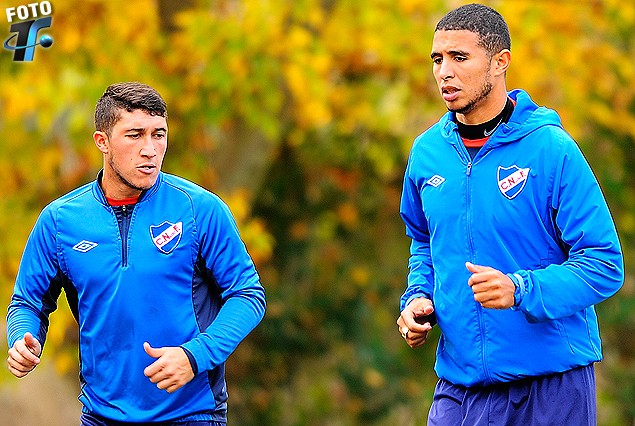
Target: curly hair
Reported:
point(492, 30)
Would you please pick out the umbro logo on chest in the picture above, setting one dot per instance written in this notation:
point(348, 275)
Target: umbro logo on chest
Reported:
point(84, 246)
point(435, 181)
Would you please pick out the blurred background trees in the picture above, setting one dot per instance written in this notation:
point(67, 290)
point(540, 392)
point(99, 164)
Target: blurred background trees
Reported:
point(301, 114)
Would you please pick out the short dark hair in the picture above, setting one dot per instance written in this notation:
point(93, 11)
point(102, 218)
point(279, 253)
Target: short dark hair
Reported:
point(492, 30)
point(127, 96)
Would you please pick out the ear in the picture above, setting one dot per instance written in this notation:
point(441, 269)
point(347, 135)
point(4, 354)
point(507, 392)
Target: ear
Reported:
point(500, 62)
point(101, 140)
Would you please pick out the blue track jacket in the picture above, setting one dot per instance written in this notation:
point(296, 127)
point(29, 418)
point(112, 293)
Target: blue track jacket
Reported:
point(528, 205)
point(182, 277)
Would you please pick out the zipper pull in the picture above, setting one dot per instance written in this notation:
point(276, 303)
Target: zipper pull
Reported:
point(469, 168)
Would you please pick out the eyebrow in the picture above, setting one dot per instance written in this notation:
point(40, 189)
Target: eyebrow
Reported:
point(451, 52)
point(143, 129)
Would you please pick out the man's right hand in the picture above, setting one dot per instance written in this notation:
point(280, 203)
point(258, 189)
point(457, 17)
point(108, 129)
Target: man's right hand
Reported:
point(412, 322)
point(24, 356)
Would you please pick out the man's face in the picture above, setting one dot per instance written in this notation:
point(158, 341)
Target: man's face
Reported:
point(461, 69)
point(133, 154)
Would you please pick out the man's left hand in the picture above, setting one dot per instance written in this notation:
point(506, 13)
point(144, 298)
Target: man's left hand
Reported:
point(171, 370)
point(492, 288)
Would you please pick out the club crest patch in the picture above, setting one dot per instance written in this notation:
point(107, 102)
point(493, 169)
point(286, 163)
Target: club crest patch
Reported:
point(166, 236)
point(512, 180)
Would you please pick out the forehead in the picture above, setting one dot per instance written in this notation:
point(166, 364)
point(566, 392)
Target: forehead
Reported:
point(139, 119)
point(456, 40)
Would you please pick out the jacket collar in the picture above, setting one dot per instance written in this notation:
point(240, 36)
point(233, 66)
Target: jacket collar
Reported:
point(526, 118)
point(98, 192)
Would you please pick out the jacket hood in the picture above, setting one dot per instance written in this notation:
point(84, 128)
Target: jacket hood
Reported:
point(526, 118)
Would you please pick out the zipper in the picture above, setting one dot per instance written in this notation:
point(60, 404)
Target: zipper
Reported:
point(479, 308)
point(464, 154)
point(125, 219)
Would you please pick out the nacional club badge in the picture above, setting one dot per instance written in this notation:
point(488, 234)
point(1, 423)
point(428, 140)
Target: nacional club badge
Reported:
point(512, 180)
point(166, 236)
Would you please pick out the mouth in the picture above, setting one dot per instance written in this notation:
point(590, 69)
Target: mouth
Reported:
point(449, 93)
point(147, 168)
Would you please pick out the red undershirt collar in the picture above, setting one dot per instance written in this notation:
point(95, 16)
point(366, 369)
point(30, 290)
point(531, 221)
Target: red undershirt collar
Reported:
point(122, 202)
point(474, 143)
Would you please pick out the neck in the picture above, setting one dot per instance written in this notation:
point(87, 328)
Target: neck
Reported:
point(115, 189)
point(481, 132)
point(489, 108)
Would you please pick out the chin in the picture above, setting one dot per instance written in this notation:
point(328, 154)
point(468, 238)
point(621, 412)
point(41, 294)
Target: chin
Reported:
point(454, 106)
point(145, 184)
point(149, 184)
point(465, 109)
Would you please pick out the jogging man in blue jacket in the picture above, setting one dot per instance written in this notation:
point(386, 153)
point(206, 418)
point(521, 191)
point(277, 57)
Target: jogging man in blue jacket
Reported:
point(155, 273)
point(512, 243)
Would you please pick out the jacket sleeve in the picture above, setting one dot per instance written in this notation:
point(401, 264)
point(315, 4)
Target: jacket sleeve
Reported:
point(38, 283)
point(594, 269)
point(242, 295)
point(420, 275)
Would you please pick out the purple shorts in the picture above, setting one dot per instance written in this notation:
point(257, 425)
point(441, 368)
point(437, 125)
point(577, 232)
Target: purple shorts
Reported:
point(563, 399)
point(94, 420)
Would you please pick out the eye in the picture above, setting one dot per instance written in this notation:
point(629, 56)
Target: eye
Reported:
point(133, 135)
point(437, 60)
point(159, 135)
point(460, 58)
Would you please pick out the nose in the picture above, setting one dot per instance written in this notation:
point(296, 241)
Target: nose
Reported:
point(147, 148)
point(445, 71)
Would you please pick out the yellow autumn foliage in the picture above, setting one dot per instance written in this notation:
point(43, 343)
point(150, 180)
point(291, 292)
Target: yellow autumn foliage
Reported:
point(300, 114)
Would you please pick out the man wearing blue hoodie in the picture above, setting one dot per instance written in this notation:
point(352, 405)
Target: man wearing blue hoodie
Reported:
point(512, 243)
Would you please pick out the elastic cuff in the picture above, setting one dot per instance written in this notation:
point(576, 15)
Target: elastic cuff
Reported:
point(519, 291)
point(192, 360)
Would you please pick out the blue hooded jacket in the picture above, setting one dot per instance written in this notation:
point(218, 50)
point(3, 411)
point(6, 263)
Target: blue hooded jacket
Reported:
point(528, 205)
point(181, 277)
